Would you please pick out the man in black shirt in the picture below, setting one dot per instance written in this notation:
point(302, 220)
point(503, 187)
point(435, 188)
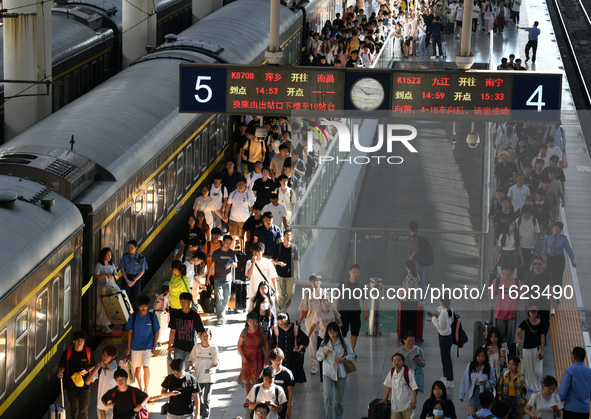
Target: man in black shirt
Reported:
point(284, 256)
point(76, 361)
point(503, 217)
point(348, 304)
point(183, 390)
point(250, 225)
point(264, 187)
point(184, 325)
point(238, 141)
point(354, 60)
point(125, 400)
point(230, 177)
point(541, 278)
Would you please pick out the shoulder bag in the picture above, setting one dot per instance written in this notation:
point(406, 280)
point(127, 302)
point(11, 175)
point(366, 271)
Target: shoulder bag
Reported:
point(349, 365)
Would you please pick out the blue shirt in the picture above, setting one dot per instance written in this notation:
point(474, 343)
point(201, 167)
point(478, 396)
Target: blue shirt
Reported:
point(575, 389)
point(482, 413)
point(135, 265)
point(143, 338)
point(562, 244)
point(269, 238)
point(533, 33)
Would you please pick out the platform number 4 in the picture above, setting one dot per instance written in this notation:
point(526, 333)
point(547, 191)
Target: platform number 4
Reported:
point(537, 94)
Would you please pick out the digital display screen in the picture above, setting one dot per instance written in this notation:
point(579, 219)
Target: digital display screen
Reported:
point(451, 93)
point(280, 90)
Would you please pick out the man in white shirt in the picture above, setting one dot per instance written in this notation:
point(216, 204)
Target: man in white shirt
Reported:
point(268, 393)
point(254, 175)
point(529, 232)
point(401, 388)
point(238, 209)
point(259, 269)
point(219, 194)
point(459, 18)
point(518, 192)
point(553, 149)
point(286, 195)
point(278, 210)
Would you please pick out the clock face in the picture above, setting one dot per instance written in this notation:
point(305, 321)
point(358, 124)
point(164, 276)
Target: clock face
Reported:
point(367, 94)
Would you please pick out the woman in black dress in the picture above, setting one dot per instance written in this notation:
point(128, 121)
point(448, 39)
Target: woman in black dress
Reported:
point(294, 349)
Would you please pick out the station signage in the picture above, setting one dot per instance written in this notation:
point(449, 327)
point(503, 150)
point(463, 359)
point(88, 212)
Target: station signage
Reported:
point(330, 91)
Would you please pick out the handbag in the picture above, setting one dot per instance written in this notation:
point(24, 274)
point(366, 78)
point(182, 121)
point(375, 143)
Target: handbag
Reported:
point(144, 413)
point(564, 162)
point(349, 365)
point(271, 289)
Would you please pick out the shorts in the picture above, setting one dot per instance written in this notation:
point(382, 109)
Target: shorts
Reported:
point(352, 318)
point(141, 358)
point(407, 41)
point(473, 402)
point(459, 23)
point(236, 228)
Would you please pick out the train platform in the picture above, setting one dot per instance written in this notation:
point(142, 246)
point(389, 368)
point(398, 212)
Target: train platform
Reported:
point(374, 353)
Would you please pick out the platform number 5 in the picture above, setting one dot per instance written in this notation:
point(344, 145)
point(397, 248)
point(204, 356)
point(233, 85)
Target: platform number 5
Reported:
point(199, 86)
point(536, 94)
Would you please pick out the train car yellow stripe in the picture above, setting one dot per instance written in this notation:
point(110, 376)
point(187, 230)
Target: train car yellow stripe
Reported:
point(162, 166)
point(40, 364)
point(176, 11)
point(36, 290)
point(81, 64)
point(164, 222)
point(87, 286)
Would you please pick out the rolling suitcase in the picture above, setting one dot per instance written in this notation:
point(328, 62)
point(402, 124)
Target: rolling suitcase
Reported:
point(117, 307)
point(420, 322)
point(240, 271)
point(57, 411)
point(241, 287)
point(480, 332)
point(377, 410)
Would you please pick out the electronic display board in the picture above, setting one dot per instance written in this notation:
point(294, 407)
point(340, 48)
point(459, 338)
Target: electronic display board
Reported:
point(270, 90)
point(329, 91)
point(476, 94)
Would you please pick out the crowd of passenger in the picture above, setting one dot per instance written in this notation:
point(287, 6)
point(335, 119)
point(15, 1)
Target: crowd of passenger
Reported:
point(240, 223)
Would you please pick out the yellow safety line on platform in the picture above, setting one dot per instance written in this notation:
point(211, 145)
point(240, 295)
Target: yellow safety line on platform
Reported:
point(565, 329)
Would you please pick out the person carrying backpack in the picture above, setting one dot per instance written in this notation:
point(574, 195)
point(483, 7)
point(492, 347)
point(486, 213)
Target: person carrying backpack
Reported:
point(442, 323)
point(420, 251)
point(401, 389)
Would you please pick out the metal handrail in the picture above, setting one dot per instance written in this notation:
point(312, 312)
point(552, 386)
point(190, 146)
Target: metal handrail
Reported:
point(390, 230)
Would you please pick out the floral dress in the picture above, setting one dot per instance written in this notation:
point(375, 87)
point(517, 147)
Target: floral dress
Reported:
point(253, 351)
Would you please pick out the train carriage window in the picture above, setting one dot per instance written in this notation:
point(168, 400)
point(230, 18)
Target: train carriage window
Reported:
point(67, 295)
point(55, 309)
point(139, 217)
point(22, 344)
point(93, 73)
point(150, 207)
point(127, 226)
point(204, 147)
point(161, 186)
point(190, 166)
point(220, 133)
point(67, 90)
point(197, 162)
point(41, 307)
point(76, 85)
point(179, 175)
point(85, 79)
point(212, 147)
point(170, 185)
point(3, 355)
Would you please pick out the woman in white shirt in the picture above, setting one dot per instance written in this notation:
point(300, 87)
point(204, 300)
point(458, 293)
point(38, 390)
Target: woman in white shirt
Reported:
point(509, 248)
point(333, 352)
point(546, 404)
point(442, 323)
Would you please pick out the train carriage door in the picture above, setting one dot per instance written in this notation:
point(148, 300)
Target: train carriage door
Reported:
point(170, 185)
point(139, 217)
point(21, 352)
point(127, 226)
point(55, 309)
point(150, 206)
point(160, 209)
point(220, 133)
point(68, 295)
point(212, 142)
point(190, 167)
point(41, 329)
point(197, 160)
point(179, 175)
point(204, 148)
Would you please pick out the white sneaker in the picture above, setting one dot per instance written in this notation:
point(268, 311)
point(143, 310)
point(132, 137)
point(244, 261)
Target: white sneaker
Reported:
point(434, 57)
point(106, 329)
point(219, 322)
point(449, 384)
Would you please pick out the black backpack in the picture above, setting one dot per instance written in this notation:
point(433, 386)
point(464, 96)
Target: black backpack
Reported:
point(425, 256)
point(459, 337)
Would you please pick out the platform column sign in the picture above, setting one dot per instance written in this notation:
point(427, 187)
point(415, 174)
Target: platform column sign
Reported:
point(336, 92)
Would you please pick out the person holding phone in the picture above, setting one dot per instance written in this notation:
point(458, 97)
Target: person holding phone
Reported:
point(183, 390)
point(479, 376)
point(546, 404)
point(512, 387)
point(533, 347)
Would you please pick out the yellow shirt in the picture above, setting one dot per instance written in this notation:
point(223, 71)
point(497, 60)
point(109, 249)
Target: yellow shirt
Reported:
point(511, 390)
point(178, 284)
